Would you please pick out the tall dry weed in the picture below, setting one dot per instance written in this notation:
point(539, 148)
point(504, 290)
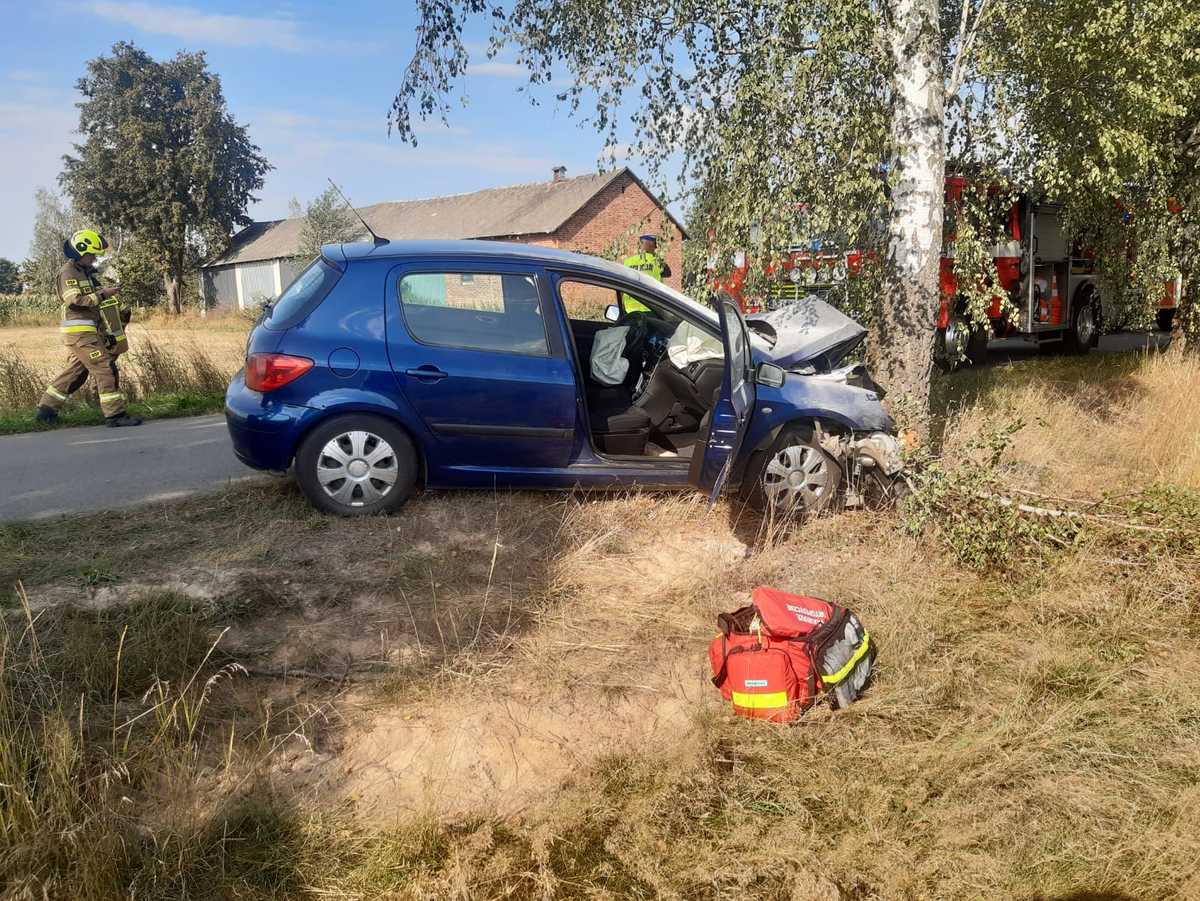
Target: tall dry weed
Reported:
point(21, 385)
point(148, 370)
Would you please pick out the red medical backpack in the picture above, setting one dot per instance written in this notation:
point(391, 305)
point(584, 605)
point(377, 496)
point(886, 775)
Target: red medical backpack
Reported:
point(774, 657)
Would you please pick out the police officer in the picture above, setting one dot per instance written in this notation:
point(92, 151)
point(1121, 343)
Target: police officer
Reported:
point(648, 261)
point(93, 329)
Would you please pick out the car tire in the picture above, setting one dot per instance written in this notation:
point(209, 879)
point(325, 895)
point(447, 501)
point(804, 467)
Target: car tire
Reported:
point(1083, 331)
point(795, 477)
point(357, 465)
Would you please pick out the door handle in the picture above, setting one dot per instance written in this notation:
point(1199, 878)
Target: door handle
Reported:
point(426, 373)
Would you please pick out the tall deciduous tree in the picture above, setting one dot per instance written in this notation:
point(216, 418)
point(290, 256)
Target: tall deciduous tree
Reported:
point(834, 119)
point(326, 221)
point(801, 119)
point(162, 157)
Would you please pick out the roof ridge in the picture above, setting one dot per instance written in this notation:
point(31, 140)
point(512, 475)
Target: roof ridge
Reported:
point(525, 184)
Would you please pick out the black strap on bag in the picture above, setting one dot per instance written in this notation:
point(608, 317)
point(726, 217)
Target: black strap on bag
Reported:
point(736, 622)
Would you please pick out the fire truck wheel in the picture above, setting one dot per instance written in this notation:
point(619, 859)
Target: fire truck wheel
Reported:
point(977, 347)
point(1166, 319)
point(1085, 324)
point(950, 352)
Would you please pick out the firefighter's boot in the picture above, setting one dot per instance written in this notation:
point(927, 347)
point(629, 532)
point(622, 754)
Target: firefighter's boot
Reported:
point(120, 420)
point(46, 415)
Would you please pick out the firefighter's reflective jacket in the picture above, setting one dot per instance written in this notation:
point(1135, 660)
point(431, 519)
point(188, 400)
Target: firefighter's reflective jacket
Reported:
point(84, 311)
point(651, 264)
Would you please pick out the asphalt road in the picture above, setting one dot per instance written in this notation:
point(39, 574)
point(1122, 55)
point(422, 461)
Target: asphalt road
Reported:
point(74, 470)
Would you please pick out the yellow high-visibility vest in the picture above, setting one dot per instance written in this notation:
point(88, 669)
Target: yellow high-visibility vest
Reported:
point(649, 263)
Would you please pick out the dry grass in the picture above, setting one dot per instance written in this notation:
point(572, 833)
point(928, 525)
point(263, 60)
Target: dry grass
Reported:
point(222, 338)
point(169, 372)
point(1116, 435)
point(516, 705)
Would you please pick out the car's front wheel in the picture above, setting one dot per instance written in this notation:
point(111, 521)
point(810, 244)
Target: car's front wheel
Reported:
point(796, 477)
point(357, 465)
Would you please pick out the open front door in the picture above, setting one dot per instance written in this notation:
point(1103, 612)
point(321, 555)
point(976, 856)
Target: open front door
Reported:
point(727, 421)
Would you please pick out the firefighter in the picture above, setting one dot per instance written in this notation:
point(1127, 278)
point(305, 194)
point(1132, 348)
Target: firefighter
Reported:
point(93, 329)
point(648, 261)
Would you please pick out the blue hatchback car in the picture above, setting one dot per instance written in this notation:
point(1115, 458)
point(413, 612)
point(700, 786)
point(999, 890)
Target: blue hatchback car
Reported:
point(476, 364)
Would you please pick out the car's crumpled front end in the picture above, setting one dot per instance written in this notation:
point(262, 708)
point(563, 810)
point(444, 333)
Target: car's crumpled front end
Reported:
point(811, 340)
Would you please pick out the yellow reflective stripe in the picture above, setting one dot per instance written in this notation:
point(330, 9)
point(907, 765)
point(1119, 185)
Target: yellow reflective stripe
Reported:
point(835, 678)
point(120, 337)
point(54, 392)
point(767, 701)
point(71, 292)
point(76, 329)
point(111, 395)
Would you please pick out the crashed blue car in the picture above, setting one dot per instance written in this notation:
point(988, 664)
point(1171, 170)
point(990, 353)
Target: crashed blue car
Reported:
point(478, 364)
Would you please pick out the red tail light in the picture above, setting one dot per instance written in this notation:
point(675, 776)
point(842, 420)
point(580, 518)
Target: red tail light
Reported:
point(266, 372)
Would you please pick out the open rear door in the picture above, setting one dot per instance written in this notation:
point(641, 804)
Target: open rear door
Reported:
point(727, 421)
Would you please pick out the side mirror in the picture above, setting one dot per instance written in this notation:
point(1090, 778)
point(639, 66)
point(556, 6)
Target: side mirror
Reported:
point(612, 312)
point(770, 375)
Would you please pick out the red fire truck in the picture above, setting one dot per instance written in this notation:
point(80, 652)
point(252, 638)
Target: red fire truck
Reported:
point(1053, 286)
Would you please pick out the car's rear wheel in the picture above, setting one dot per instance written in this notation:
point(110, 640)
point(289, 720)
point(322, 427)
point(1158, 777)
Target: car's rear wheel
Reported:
point(796, 477)
point(356, 465)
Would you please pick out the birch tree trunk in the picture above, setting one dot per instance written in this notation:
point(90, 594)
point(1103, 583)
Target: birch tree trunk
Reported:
point(910, 289)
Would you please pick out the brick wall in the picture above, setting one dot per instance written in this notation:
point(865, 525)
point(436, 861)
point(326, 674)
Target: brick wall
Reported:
point(614, 218)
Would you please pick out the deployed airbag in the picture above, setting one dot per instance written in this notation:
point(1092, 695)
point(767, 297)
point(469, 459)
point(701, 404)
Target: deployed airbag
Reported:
point(609, 365)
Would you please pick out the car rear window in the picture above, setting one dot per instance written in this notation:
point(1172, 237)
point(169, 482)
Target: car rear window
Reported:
point(475, 311)
point(308, 289)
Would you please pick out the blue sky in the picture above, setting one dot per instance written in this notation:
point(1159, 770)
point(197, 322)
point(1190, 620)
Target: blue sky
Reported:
point(313, 82)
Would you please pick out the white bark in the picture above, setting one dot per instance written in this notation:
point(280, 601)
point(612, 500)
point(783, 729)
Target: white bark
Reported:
point(915, 230)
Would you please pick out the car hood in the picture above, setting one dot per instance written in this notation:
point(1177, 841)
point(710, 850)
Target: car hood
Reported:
point(809, 331)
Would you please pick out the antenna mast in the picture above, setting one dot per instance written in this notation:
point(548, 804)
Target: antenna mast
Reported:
point(378, 240)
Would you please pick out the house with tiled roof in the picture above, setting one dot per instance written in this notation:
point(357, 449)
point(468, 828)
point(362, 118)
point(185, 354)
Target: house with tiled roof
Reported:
point(601, 213)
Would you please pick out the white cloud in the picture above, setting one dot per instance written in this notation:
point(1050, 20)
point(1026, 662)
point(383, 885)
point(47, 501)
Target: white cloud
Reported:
point(494, 69)
point(212, 28)
point(277, 32)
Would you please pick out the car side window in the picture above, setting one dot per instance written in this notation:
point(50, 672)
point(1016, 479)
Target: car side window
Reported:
point(584, 302)
point(475, 311)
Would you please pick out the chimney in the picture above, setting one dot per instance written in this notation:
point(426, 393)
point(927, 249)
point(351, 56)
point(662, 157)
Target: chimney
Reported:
point(560, 173)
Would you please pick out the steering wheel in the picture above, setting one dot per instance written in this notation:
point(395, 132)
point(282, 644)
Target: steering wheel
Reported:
point(635, 340)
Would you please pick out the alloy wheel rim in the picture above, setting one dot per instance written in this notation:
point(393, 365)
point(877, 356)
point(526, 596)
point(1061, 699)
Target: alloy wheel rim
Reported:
point(797, 478)
point(357, 468)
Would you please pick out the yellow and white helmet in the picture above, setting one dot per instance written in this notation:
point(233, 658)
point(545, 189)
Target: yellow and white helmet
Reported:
point(88, 240)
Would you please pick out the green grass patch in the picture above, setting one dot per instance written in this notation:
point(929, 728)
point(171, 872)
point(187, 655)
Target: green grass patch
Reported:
point(168, 405)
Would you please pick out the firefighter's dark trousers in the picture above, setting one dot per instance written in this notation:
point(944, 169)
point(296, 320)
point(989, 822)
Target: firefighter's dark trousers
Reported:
point(87, 355)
